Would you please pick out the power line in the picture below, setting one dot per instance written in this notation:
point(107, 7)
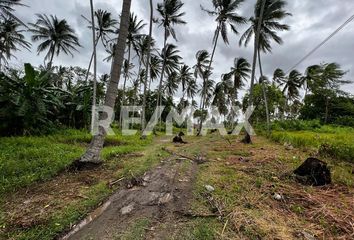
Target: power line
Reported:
point(322, 43)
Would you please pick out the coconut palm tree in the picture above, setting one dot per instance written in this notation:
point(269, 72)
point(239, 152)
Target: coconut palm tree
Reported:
point(200, 69)
point(171, 60)
point(222, 91)
point(55, 35)
point(11, 38)
point(279, 77)
point(7, 9)
point(170, 15)
point(240, 73)
point(185, 76)
point(226, 16)
point(292, 85)
point(103, 27)
point(94, 57)
point(148, 64)
point(265, 23)
point(135, 27)
point(312, 74)
point(92, 154)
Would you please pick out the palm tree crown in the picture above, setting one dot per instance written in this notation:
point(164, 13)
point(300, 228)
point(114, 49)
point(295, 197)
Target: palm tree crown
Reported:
point(273, 13)
point(10, 38)
point(225, 12)
point(170, 16)
point(56, 36)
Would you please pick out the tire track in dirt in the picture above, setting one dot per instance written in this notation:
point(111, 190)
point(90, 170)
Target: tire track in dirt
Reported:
point(165, 190)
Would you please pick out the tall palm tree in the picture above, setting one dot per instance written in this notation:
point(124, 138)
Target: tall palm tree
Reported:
point(226, 15)
point(170, 15)
point(171, 59)
point(94, 57)
point(135, 27)
point(56, 36)
point(265, 23)
point(185, 77)
point(11, 38)
point(240, 73)
point(92, 154)
point(103, 25)
point(201, 68)
point(148, 64)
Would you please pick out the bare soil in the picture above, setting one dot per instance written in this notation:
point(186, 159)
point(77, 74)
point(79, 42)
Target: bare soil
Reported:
point(162, 197)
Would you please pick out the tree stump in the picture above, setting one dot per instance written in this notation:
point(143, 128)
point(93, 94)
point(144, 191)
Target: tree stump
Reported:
point(314, 172)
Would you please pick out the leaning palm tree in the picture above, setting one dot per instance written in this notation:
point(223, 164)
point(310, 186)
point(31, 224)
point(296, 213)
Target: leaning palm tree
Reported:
point(170, 16)
point(11, 38)
point(264, 25)
point(92, 154)
point(56, 35)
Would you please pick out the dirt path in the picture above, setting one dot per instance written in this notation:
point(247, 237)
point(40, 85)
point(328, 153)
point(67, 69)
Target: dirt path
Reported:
point(161, 196)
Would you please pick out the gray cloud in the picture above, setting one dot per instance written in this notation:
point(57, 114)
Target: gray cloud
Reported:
point(312, 21)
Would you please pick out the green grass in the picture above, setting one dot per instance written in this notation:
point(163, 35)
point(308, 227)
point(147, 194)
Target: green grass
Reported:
point(136, 231)
point(25, 160)
point(335, 142)
point(54, 153)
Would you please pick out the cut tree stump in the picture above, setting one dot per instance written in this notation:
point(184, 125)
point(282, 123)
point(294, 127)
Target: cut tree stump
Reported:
point(313, 172)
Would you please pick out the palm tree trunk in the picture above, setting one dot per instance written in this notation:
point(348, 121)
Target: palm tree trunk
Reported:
point(256, 43)
point(124, 84)
point(327, 110)
point(92, 57)
point(137, 87)
point(205, 79)
point(94, 43)
point(143, 117)
point(92, 154)
point(159, 93)
point(51, 59)
point(264, 92)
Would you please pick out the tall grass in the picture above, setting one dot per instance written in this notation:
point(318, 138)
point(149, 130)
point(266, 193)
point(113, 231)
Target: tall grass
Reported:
point(330, 141)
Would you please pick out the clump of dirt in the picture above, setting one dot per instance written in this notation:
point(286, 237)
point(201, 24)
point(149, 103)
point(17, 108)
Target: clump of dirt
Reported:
point(160, 194)
point(178, 138)
point(313, 172)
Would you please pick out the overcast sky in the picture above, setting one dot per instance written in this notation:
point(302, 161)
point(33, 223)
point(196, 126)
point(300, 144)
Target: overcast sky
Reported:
point(311, 22)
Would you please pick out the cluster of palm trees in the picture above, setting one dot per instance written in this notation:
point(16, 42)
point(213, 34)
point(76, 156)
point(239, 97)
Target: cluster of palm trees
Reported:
point(55, 36)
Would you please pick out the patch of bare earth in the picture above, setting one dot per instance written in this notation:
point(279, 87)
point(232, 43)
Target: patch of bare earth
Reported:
point(161, 196)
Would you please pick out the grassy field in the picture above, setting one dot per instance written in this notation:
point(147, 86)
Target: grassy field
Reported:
point(40, 199)
point(328, 141)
